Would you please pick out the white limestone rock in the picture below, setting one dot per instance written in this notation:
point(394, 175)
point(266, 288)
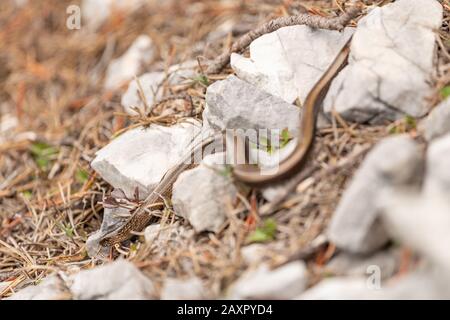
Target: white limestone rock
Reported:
point(355, 226)
point(119, 280)
point(130, 64)
point(422, 222)
point(236, 104)
point(437, 179)
point(391, 64)
point(285, 282)
point(205, 210)
point(140, 157)
point(50, 288)
point(152, 89)
point(188, 289)
point(288, 62)
point(437, 123)
point(421, 284)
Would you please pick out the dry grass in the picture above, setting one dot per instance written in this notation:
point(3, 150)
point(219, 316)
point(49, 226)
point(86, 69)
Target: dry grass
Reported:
point(50, 79)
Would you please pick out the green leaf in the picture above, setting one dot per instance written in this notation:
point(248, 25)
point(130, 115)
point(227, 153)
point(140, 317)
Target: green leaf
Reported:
point(68, 230)
point(202, 79)
point(81, 176)
point(410, 122)
point(27, 194)
point(43, 153)
point(445, 92)
point(285, 137)
point(264, 233)
point(226, 172)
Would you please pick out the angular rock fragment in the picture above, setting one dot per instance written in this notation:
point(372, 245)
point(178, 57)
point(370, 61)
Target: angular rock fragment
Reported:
point(437, 179)
point(355, 226)
point(288, 62)
point(236, 104)
point(437, 123)
point(205, 210)
point(51, 288)
point(391, 64)
point(119, 280)
point(285, 282)
point(140, 157)
point(189, 289)
point(152, 86)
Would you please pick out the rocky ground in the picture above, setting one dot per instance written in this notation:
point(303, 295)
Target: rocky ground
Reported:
point(93, 118)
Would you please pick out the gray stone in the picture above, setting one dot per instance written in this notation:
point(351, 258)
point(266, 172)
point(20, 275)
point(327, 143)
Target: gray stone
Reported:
point(392, 55)
point(119, 280)
point(140, 157)
point(160, 238)
point(437, 123)
point(437, 179)
point(422, 222)
point(189, 289)
point(355, 226)
point(130, 64)
point(152, 88)
point(421, 284)
point(285, 282)
point(236, 104)
point(288, 62)
point(205, 210)
point(50, 288)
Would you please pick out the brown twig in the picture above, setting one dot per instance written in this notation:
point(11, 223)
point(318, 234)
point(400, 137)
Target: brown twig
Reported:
point(313, 21)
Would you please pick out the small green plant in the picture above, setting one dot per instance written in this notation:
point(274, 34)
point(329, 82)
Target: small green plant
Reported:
point(264, 233)
point(410, 122)
point(202, 79)
point(285, 137)
point(43, 154)
point(226, 171)
point(81, 176)
point(445, 92)
point(27, 194)
point(68, 230)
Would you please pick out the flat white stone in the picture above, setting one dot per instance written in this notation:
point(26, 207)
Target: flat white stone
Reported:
point(437, 179)
point(119, 280)
point(422, 222)
point(202, 195)
point(288, 62)
point(140, 157)
point(285, 282)
point(51, 288)
point(188, 289)
point(391, 64)
point(421, 284)
point(152, 89)
point(437, 123)
point(355, 225)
